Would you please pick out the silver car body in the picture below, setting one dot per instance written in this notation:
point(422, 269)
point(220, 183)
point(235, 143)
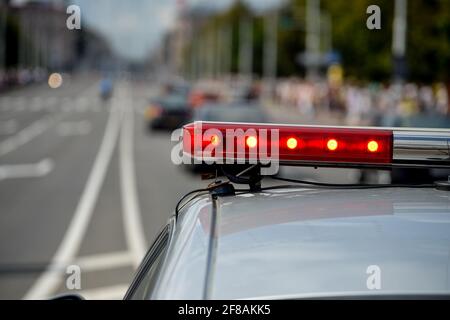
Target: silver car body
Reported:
point(301, 243)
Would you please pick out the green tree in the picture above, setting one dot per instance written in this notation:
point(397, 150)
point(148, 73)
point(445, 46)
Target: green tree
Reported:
point(428, 46)
point(366, 54)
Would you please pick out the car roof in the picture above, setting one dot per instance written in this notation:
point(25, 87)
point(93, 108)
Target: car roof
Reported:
point(313, 242)
point(172, 101)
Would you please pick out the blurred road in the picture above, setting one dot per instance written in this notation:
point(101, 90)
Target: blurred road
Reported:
point(68, 189)
point(84, 183)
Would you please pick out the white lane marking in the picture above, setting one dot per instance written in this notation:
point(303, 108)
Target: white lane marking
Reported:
point(49, 280)
point(76, 128)
point(34, 170)
point(8, 127)
point(116, 292)
point(26, 135)
point(104, 261)
point(134, 233)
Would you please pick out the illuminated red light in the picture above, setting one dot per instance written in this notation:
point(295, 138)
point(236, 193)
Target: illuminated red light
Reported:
point(372, 146)
point(251, 142)
point(291, 143)
point(321, 145)
point(332, 144)
point(215, 140)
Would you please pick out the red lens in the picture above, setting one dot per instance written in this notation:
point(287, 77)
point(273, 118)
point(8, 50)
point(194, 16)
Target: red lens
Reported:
point(251, 142)
point(215, 140)
point(332, 144)
point(372, 146)
point(297, 144)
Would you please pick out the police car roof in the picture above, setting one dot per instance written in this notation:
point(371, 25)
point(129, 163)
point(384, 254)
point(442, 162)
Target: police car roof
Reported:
point(314, 243)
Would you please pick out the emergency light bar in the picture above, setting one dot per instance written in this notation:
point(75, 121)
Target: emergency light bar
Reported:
point(226, 143)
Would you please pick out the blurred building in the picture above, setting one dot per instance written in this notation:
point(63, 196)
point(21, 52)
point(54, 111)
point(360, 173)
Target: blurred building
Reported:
point(173, 53)
point(34, 37)
point(46, 41)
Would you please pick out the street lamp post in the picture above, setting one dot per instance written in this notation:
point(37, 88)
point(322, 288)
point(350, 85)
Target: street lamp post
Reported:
point(246, 48)
point(399, 40)
point(312, 38)
point(270, 52)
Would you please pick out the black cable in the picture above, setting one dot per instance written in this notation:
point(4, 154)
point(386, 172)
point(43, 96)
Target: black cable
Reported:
point(252, 179)
point(301, 184)
point(351, 186)
point(178, 208)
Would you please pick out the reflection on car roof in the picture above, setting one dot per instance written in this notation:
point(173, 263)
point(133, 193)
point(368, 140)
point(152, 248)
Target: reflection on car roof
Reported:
point(294, 242)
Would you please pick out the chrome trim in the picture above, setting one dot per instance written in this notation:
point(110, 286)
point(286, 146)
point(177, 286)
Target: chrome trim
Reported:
point(421, 148)
point(211, 258)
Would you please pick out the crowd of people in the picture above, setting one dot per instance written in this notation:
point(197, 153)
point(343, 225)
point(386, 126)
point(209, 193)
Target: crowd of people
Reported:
point(20, 76)
point(372, 104)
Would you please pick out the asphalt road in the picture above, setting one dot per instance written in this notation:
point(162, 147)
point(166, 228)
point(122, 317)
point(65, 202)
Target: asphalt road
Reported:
point(83, 183)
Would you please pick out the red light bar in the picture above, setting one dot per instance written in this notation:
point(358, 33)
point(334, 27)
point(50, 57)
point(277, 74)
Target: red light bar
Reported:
point(287, 144)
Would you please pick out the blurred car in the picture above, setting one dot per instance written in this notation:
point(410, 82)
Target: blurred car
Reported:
point(420, 175)
point(294, 244)
point(169, 112)
point(233, 112)
point(198, 98)
point(177, 88)
point(306, 239)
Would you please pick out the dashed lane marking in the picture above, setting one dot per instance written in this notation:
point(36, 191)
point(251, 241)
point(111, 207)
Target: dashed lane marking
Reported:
point(34, 170)
point(75, 128)
point(105, 261)
point(29, 133)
